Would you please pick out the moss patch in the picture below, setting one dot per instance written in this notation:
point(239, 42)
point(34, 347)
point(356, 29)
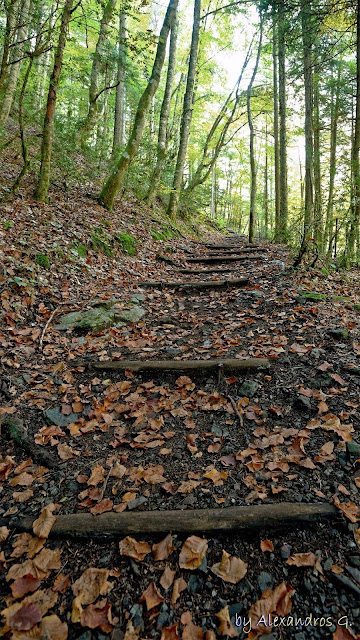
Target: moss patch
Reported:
point(127, 243)
point(312, 296)
point(42, 260)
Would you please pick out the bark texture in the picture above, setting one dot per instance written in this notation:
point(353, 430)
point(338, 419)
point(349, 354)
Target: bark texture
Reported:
point(119, 123)
point(116, 178)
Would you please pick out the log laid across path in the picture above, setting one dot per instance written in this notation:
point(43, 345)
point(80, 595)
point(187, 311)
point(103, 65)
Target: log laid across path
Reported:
point(206, 284)
point(224, 258)
point(238, 247)
point(179, 365)
point(188, 521)
point(205, 271)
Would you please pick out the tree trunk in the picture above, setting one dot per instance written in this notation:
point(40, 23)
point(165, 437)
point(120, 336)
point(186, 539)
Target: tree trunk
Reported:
point(332, 168)
point(116, 178)
point(266, 188)
point(186, 115)
point(213, 192)
point(15, 66)
point(355, 208)
point(276, 127)
point(119, 122)
point(164, 119)
point(41, 191)
point(309, 135)
point(94, 113)
point(10, 29)
point(283, 213)
point(318, 223)
point(252, 143)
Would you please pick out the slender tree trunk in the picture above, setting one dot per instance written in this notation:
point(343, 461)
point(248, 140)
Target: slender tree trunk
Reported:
point(318, 226)
point(45, 64)
point(164, 119)
point(10, 30)
point(266, 187)
point(277, 235)
point(15, 66)
point(283, 213)
point(116, 178)
point(355, 208)
point(213, 192)
point(309, 134)
point(332, 165)
point(42, 188)
point(94, 114)
point(119, 122)
point(252, 143)
point(186, 114)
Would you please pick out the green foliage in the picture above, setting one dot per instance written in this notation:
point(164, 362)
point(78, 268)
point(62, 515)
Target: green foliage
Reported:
point(8, 224)
point(101, 242)
point(80, 249)
point(127, 243)
point(42, 260)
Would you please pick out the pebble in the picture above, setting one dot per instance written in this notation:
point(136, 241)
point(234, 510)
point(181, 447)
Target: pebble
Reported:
point(265, 581)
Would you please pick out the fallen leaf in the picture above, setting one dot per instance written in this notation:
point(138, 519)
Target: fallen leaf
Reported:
point(4, 533)
point(53, 629)
point(101, 507)
point(167, 578)
point(163, 549)
point(97, 475)
point(190, 631)
point(179, 586)
point(130, 632)
point(25, 617)
point(46, 520)
point(97, 615)
point(266, 545)
point(62, 582)
point(151, 596)
point(276, 601)
point(169, 633)
point(23, 496)
point(302, 560)
point(91, 584)
point(193, 552)
point(187, 486)
point(134, 549)
point(217, 477)
point(225, 627)
point(349, 509)
point(230, 569)
point(342, 633)
point(24, 585)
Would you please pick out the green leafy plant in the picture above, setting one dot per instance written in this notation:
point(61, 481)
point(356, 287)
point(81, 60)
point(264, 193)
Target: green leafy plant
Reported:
point(8, 224)
point(42, 260)
point(100, 242)
point(80, 249)
point(127, 243)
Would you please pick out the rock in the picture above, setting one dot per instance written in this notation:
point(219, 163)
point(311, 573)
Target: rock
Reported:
point(136, 614)
point(133, 504)
point(322, 380)
point(355, 561)
point(100, 318)
point(316, 353)
point(265, 581)
point(285, 551)
point(106, 304)
point(353, 449)
point(328, 563)
point(195, 584)
point(85, 636)
point(355, 573)
point(302, 402)
point(345, 582)
point(338, 334)
point(248, 388)
point(54, 416)
point(255, 293)
point(138, 297)
point(163, 620)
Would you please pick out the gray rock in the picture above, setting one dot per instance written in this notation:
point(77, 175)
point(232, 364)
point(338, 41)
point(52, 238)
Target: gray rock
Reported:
point(249, 388)
point(106, 304)
point(328, 563)
point(285, 551)
point(338, 334)
point(353, 449)
point(86, 636)
point(302, 402)
point(355, 561)
point(54, 416)
point(136, 614)
point(138, 297)
point(99, 318)
point(255, 293)
point(163, 620)
point(195, 584)
point(133, 504)
point(265, 581)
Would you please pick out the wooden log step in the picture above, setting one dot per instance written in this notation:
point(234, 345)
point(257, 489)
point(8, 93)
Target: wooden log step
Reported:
point(205, 271)
point(179, 365)
point(200, 284)
point(85, 525)
point(226, 258)
point(243, 256)
point(232, 246)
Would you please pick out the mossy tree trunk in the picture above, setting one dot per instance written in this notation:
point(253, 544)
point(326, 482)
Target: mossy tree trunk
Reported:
point(116, 178)
point(94, 113)
point(252, 142)
point(334, 117)
point(276, 122)
point(42, 188)
point(119, 122)
point(186, 114)
point(283, 213)
point(353, 234)
point(164, 119)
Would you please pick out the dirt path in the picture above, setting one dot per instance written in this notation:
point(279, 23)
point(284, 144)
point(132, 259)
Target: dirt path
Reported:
point(161, 440)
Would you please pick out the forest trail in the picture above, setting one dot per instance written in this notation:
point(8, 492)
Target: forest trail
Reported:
point(146, 440)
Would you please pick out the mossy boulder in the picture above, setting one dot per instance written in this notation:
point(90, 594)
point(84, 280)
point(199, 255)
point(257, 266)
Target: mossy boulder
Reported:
point(101, 317)
point(312, 296)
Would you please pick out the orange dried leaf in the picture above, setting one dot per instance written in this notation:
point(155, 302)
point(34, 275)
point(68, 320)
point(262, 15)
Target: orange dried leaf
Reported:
point(349, 509)
point(179, 586)
point(193, 552)
point(230, 569)
point(169, 633)
point(62, 582)
point(151, 596)
point(225, 627)
point(24, 585)
point(167, 578)
point(45, 522)
point(52, 627)
point(302, 560)
point(134, 549)
point(163, 549)
point(91, 584)
point(266, 545)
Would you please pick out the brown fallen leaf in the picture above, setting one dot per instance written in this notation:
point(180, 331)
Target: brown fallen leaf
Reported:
point(169, 633)
point(91, 584)
point(217, 477)
point(4, 533)
point(65, 452)
point(349, 509)
point(266, 545)
point(26, 543)
point(26, 617)
point(187, 486)
point(46, 520)
point(62, 582)
point(225, 627)
point(179, 586)
point(167, 578)
point(151, 596)
point(302, 560)
point(98, 474)
point(190, 631)
point(163, 549)
point(102, 507)
point(97, 615)
point(134, 549)
point(193, 552)
point(130, 632)
point(342, 633)
point(276, 601)
point(23, 496)
point(24, 585)
point(51, 627)
point(230, 569)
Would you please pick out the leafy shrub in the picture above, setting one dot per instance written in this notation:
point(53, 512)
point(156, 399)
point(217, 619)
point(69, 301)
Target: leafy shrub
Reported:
point(42, 260)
